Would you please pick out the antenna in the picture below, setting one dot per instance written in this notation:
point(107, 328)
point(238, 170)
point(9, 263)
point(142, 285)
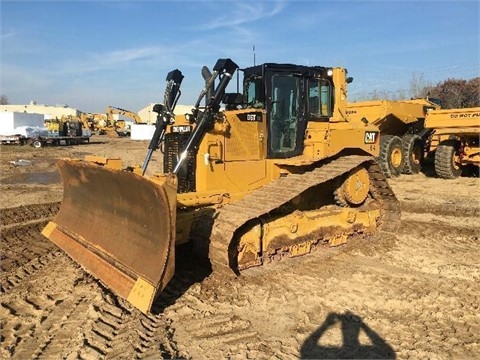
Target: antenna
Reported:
point(254, 55)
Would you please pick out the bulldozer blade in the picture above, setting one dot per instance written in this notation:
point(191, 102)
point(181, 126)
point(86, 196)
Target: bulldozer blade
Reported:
point(119, 226)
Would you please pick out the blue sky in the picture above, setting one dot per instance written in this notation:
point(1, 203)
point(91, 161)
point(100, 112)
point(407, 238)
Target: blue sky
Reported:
point(90, 54)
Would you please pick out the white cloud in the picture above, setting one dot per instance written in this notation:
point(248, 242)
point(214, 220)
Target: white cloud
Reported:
point(7, 34)
point(110, 59)
point(244, 12)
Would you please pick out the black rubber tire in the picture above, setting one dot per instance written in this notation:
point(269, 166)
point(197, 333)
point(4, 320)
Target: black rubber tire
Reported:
point(388, 145)
point(37, 144)
point(444, 160)
point(412, 153)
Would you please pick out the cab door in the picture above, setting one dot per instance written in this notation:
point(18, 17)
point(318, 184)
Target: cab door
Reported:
point(285, 119)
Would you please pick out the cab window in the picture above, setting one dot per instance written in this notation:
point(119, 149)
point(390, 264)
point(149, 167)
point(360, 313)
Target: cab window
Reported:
point(254, 93)
point(284, 113)
point(319, 99)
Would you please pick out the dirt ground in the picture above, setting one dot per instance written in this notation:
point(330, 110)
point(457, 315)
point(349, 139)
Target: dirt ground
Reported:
point(413, 294)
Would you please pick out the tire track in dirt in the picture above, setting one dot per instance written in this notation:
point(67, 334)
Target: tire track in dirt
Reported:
point(51, 308)
point(45, 310)
point(21, 240)
point(14, 278)
point(122, 332)
point(434, 270)
point(23, 249)
point(432, 248)
point(26, 213)
point(201, 323)
point(449, 208)
point(60, 311)
point(21, 245)
point(210, 324)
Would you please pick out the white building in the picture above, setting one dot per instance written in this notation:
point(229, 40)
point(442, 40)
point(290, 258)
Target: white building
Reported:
point(148, 116)
point(49, 111)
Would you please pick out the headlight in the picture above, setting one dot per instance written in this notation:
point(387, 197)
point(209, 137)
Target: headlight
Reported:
point(190, 118)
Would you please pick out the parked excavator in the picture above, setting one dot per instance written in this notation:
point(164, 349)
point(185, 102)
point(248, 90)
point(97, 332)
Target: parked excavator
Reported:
point(120, 127)
point(278, 172)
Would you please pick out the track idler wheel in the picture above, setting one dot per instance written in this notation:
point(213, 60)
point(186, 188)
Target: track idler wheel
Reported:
point(248, 240)
point(354, 188)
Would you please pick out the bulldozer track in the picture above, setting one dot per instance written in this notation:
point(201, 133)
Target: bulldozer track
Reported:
point(231, 217)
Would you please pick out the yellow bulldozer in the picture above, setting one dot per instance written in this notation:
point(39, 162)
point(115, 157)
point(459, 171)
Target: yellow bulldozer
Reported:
point(277, 172)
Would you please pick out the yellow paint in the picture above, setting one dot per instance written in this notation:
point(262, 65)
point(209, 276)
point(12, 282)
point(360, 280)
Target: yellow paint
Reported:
point(47, 231)
point(142, 294)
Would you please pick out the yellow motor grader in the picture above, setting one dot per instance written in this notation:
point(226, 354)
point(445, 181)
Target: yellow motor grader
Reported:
point(278, 172)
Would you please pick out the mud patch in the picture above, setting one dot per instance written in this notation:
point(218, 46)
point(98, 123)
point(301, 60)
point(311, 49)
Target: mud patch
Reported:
point(44, 178)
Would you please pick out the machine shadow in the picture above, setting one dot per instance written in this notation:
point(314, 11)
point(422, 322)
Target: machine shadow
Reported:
point(350, 327)
point(189, 270)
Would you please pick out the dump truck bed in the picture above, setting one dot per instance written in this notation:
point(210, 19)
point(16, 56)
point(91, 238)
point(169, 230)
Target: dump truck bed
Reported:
point(392, 117)
point(458, 121)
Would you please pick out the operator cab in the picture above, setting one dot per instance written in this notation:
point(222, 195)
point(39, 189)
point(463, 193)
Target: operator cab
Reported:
point(291, 96)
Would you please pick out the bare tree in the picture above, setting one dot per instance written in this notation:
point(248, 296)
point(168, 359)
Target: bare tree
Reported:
point(418, 86)
point(4, 100)
point(452, 93)
point(457, 93)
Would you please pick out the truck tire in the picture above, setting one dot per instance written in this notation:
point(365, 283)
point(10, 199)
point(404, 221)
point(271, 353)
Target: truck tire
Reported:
point(37, 144)
point(391, 155)
point(412, 154)
point(446, 164)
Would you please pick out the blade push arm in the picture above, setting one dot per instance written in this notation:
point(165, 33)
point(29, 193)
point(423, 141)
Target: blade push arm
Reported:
point(164, 112)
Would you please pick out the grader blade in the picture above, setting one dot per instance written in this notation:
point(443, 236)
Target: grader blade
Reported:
point(119, 226)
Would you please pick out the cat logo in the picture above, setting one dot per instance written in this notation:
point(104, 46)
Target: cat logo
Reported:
point(371, 137)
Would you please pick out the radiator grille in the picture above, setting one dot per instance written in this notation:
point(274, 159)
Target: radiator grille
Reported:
point(175, 143)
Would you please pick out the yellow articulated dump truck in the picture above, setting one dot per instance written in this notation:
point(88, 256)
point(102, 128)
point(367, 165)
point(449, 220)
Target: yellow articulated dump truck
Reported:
point(403, 137)
point(455, 140)
point(278, 172)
